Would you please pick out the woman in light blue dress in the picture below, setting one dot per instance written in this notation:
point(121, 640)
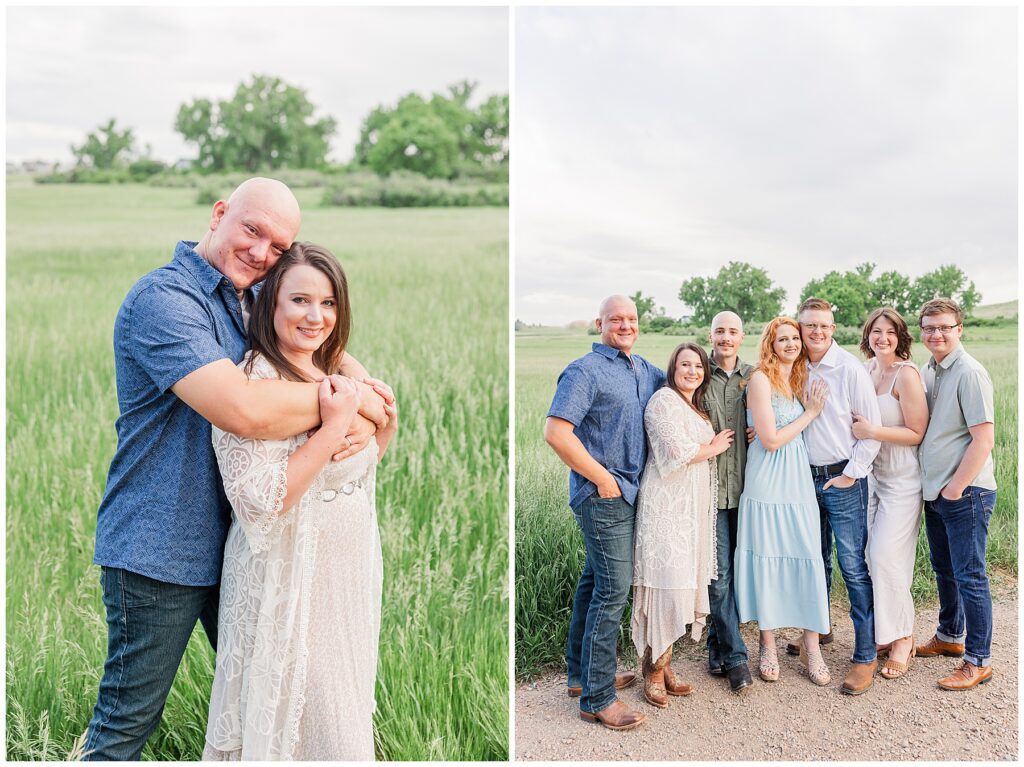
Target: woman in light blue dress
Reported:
point(780, 576)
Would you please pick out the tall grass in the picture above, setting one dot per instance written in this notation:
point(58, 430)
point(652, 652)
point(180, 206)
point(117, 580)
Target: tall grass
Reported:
point(549, 551)
point(429, 292)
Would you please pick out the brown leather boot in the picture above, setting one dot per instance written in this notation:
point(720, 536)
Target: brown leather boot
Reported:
point(654, 680)
point(618, 716)
point(860, 678)
point(673, 684)
point(936, 646)
point(966, 676)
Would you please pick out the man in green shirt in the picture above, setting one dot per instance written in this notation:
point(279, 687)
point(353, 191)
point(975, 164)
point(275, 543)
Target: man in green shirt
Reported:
point(726, 403)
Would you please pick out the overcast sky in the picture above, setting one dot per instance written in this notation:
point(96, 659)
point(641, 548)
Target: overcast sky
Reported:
point(71, 69)
point(654, 145)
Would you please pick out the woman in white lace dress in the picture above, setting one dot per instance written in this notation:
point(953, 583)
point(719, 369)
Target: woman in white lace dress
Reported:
point(301, 583)
point(674, 540)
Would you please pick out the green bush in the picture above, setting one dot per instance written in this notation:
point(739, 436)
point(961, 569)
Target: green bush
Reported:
point(405, 189)
point(143, 169)
point(208, 195)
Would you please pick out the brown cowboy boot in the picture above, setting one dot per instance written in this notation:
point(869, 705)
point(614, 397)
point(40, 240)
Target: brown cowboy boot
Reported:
point(618, 716)
point(673, 684)
point(654, 680)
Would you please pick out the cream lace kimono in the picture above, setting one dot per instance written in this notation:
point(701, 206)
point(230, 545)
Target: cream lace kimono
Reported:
point(674, 557)
point(299, 607)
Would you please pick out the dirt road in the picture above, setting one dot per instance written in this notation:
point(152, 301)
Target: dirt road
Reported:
point(909, 718)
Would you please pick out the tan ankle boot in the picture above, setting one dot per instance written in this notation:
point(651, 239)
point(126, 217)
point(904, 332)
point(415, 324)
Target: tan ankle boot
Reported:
point(673, 684)
point(654, 680)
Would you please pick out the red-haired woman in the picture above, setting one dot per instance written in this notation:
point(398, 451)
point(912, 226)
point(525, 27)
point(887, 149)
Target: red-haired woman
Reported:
point(780, 576)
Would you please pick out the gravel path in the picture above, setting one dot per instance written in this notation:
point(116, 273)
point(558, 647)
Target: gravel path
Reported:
point(909, 718)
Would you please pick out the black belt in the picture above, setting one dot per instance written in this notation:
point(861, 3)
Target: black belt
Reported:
point(827, 471)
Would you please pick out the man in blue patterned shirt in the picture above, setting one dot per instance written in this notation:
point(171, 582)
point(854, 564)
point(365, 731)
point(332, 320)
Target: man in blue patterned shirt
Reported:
point(596, 426)
point(161, 526)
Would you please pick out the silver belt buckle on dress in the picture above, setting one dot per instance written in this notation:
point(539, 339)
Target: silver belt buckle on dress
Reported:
point(329, 494)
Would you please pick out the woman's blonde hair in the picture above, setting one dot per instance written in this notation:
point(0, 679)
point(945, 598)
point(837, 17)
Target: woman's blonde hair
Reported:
point(769, 361)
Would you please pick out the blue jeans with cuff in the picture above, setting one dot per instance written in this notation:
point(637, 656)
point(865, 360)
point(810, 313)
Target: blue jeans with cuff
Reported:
point(957, 538)
point(844, 516)
point(149, 623)
point(724, 639)
point(601, 594)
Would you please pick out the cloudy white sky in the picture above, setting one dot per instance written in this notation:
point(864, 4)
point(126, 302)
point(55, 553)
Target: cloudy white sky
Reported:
point(71, 69)
point(654, 145)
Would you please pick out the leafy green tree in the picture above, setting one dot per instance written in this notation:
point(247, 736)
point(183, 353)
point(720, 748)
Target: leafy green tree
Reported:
point(947, 281)
point(850, 293)
point(414, 137)
point(440, 138)
point(644, 306)
point(738, 287)
point(893, 289)
point(105, 148)
point(266, 124)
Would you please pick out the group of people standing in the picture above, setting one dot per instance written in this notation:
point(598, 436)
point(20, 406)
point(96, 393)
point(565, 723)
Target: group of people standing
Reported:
point(716, 489)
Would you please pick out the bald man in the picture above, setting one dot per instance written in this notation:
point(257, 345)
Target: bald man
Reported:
point(596, 426)
point(161, 526)
point(725, 400)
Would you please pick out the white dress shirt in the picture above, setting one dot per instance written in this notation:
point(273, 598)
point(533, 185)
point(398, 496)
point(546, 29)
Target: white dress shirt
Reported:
point(829, 438)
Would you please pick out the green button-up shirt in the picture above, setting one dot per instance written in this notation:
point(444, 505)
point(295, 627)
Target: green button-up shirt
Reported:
point(959, 397)
point(726, 402)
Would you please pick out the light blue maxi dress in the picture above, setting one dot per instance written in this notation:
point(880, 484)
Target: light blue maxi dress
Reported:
point(780, 578)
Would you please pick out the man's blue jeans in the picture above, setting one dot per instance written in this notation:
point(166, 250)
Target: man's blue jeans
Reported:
point(957, 537)
point(724, 640)
point(148, 627)
point(607, 527)
point(844, 512)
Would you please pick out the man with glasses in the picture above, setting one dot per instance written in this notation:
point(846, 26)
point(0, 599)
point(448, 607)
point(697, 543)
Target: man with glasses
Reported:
point(840, 464)
point(959, 494)
point(596, 426)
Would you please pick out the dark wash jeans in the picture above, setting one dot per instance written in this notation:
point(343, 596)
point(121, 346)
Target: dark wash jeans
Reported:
point(957, 537)
point(844, 516)
point(724, 641)
point(149, 623)
point(607, 527)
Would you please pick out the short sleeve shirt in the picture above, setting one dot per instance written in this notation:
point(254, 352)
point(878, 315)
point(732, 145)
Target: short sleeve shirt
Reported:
point(164, 513)
point(960, 396)
point(603, 395)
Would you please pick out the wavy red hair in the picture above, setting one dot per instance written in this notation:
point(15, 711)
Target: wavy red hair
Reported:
point(768, 362)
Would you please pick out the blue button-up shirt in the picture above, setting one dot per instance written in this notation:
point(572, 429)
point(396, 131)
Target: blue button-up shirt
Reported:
point(164, 513)
point(604, 395)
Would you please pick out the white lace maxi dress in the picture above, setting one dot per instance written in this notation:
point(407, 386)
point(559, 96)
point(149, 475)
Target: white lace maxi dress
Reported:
point(300, 603)
point(674, 557)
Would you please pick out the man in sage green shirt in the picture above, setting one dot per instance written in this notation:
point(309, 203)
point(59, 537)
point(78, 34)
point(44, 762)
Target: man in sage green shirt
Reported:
point(959, 489)
point(726, 403)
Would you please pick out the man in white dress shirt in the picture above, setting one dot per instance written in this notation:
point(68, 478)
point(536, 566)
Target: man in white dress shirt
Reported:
point(840, 464)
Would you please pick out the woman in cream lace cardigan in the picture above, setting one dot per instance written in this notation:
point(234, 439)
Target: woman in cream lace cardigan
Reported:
point(674, 540)
point(301, 583)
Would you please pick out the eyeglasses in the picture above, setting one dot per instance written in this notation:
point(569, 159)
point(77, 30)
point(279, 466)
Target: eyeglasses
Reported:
point(931, 330)
point(811, 326)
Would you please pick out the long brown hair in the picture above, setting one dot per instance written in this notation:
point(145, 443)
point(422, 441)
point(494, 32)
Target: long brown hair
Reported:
point(903, 338)
point(264, 339)
point(769, 361)
point(698, 395)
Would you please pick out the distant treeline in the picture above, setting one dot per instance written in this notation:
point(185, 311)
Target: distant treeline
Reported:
point(439, 151)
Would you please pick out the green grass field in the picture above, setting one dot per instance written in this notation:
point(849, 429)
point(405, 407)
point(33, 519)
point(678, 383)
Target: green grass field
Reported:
point(549, 551)
point(429, 292)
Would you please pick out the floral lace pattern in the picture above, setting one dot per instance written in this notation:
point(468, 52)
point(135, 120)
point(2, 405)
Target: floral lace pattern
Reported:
point(674, 539)
point(299, 607)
